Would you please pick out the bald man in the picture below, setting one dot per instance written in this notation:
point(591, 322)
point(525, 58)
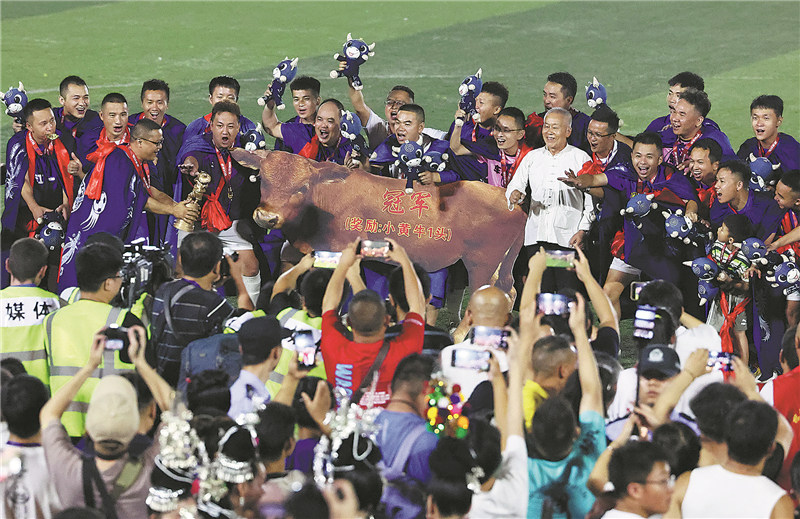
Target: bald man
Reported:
point(488, 306)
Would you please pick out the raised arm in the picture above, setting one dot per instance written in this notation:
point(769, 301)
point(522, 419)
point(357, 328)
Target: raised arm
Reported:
point(357, 100)
point(696, 365)
point(533, 283)
point(270, 121)
point(455, 137)
point(600, 301)
point(333, 294)
point(584, 181)
point(413, 288)
point(163, 393)
point(288, 280)
point(588, 374)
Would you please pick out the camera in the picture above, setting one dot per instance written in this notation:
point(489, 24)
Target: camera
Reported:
point(644, 320)
point(144, 269)
point(224, 268)
point(116, 337)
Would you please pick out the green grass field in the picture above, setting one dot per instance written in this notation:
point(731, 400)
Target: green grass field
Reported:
point(742, 49)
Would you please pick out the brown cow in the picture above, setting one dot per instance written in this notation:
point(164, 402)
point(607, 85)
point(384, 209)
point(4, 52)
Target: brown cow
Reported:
point(325, 206)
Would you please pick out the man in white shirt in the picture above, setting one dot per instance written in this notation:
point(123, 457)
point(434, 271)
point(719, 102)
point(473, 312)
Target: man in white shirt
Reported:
point(560, 215)
point(642, 482)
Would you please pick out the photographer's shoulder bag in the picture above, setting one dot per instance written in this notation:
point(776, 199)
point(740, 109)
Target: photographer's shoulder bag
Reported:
point(92, 479)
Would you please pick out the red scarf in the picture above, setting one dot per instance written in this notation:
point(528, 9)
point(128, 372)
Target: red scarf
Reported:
point(62, 157)
point(213, 217)
point(142, 169)
point(729, 316)
point(104, 147)
point(311, 149)
point(207, 129)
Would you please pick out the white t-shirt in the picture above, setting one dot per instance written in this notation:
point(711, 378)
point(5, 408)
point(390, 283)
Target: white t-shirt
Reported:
point(716, 492)
point(511, 482)
point(467, 378)
point(34, 491)
point(378, 129)
point(619, 514)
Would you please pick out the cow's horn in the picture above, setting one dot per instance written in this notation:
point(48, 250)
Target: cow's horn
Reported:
point(22, 88)
point(349, 36)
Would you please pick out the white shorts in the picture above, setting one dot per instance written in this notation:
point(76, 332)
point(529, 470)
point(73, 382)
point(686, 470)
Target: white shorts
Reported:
point(231, 240)
point(794, 296)
point(619, 265)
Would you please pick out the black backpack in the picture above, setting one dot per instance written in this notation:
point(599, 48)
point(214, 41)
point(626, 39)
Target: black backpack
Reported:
point(219, 351)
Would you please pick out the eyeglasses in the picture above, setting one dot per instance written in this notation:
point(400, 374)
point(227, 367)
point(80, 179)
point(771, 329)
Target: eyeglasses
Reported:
point(157, 143)
point(669, 482)
point(498, 129)
point(391, 102)
point(598, 135)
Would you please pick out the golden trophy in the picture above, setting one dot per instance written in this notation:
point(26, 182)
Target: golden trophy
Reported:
point(200, 184)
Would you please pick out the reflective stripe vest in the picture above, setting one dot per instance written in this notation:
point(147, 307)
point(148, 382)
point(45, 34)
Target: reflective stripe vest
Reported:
point(294, 319)
point(21, 335)
point(68, 337)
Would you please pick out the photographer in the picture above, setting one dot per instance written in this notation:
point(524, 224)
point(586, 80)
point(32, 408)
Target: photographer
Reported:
point(69, 329)
point(189, 308)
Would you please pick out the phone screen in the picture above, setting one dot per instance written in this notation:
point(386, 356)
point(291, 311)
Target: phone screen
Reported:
point(477, 360)
point(552, 304)
point(326, 259)
point(560, 258)
point(488, 337)
point(636, 288)
point(374, 248)
point(305, 347)
point(644, 322)
point(720, 360)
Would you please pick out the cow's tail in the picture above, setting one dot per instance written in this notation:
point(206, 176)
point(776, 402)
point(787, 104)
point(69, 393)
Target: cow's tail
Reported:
point(504, 279)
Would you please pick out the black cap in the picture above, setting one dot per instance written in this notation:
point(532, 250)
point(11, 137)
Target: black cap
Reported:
point(260, 334)
point(660, 358)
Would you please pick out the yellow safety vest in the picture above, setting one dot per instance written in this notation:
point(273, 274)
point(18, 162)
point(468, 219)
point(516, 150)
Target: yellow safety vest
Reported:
point(68, 338)
point(293, 319)
point(21, 336)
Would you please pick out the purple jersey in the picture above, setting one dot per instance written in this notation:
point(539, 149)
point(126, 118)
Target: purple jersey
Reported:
point(763, 211)
point(663, 127)
point(786, 153)
point(300, 138)
point(678, 151)
point(480, 142)
point(279, 145)
point(118, 211)
point(386, 153)
point(202, 125)
point(76, 127)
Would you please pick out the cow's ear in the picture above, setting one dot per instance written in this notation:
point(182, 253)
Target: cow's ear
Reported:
point(248, 159)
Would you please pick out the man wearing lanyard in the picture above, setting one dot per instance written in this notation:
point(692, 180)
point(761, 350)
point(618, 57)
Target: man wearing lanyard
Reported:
point(101, 140)
point(687, 125)
point(114, 195)
point(509, 134)
point(231, 197)
point(220, 88)
point(74, 117)
point(766, 116)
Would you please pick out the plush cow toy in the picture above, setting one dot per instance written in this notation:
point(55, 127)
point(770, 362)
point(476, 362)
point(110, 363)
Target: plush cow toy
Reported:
point(469, 90)
point(51, 230)
point(281, 76)
point(354, 54)
point(409, 162)
point(351, 130)
point(596, 94)
point(15, 100)
point(679, 227)
point(435, 161)
point(762, 173)
point(253, 140)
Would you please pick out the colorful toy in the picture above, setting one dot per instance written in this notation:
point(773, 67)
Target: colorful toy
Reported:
point(15, 100)
point(435, 161)
point(445, 404)
point(762, 173)
point(52, 230)
point(596, 94)
point(354, 54)
point(409, 162)
point(469, 90)
point(282, 74)
point(253, 140)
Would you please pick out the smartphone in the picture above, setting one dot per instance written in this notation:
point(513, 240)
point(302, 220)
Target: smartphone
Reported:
point(306, 348)
point(116, 337)
point(326, 259)
point(560, 258)
point(644, 322)
point(720, 360)
point(374, 248)
point(489, 337)
point(477, 360)
point(553, 304)
point(636, 288)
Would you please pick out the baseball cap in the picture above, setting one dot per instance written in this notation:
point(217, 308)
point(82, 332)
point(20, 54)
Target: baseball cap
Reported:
point(259, 335)
point(659, 358)
point(113, 412)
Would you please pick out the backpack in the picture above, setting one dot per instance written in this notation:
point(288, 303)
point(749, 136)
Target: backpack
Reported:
point(403, 497)
point(219, 351)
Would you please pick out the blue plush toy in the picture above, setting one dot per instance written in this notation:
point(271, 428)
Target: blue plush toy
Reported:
point(596, 94)
point(638, 207)
point(409, 162)
point(786, 275)
point(469, 90)
point(351, 130)
point(435, 161)
point(51, 230)
point(704, 268)
point(281, 76)
point(253, 140)
point(15, 100)
point(679, 227)
point(707, 290)
point(755, 250)
point(762, 173)
point(354, 54)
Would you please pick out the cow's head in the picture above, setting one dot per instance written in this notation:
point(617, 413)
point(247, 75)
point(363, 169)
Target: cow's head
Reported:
point(286, 184)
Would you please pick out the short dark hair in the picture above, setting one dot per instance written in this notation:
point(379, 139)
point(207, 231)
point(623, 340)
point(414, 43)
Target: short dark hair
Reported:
point(750, 431)
point(738, 169)
point(113, 97)
point(649, 138)
point(308, 385)
point(14, 366)
point(450, 463)
point(604, 114)
point(143, 127)
point(788, 349)
point(200, 252)
point(335, 101)
point(713, 147)
point(412, 373)
point(698, 99)
point(106, 238)
point(770, 102)
point(397, 285)
point(553, 428)
point(313, 287)
point(739, 226)
point(70, 80)
point(155, 84)
point(549, 353)
point(498, 90)
point(403, 88)
point(94, 264)
point(275, 429)
point(225, 82)
point(144, 397)
point(663, 294)
point(485, 441)
point(687, 80)
point(22, 399)
point(569, 87)
point(515, 113)
point(681, 445)
point(414, 109)
point(632, 463)
point(791, 179)
point(35, 105)
point(306, 83)
point(367, 312)
point(710, 407)
point(26, 257)
point(209, 390)
point(225, 107)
